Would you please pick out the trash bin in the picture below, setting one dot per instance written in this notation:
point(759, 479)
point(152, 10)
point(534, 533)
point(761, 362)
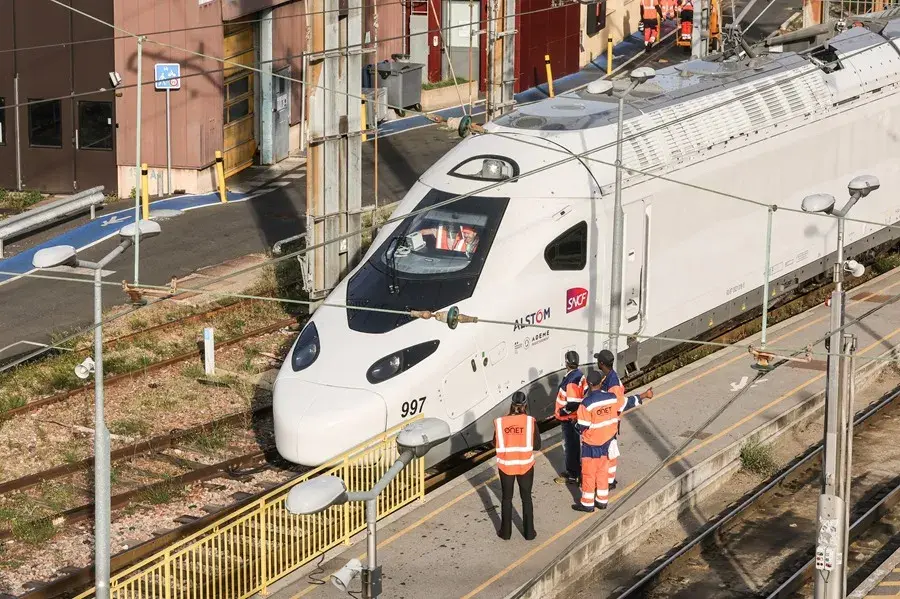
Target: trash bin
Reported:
point(403, 81)
point(372, 109)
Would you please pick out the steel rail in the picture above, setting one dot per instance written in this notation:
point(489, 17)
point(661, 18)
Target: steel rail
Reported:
point(719, 523)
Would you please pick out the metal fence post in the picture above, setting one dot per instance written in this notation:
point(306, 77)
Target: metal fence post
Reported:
point(167, 561)
point(263, 549)
point(346, 507)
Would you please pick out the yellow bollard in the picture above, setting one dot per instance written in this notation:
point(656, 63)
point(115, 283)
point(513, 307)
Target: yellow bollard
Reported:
point(549, 74)
point(145, 192)
point(220, 176)
point(362, 118)
point(609, 56)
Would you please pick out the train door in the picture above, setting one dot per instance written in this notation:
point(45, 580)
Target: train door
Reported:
point(635, 271)
point(465, 386)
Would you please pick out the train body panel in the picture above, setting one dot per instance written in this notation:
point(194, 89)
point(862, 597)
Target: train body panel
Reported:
point(536, 250)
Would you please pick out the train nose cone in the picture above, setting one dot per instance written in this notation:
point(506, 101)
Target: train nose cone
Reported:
point(314, 423)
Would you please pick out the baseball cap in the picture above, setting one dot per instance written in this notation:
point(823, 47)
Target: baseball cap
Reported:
point(594, 378)
point(605, 357)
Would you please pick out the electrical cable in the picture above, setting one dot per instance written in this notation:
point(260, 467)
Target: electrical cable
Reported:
point(499, 183)
point(481, 320)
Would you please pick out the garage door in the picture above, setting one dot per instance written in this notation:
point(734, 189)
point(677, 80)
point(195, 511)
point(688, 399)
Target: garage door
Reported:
point(240, 136)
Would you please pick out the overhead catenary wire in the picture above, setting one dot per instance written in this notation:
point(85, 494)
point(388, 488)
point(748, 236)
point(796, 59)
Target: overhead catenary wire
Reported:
point(491, 186)
point(420, 314)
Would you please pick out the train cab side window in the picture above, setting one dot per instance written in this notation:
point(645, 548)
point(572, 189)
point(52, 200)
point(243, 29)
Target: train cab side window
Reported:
point(569, 250)
point(827, 59)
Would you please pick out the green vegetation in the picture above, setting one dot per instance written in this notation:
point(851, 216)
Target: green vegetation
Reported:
point(14, 202)
point(130, 427)
point(886, 263)
point(444, 83)
point(159, 494)
point(757, 458)
point(210, 440)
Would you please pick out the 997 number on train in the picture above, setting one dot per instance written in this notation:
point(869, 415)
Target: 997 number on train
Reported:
point(411, 408)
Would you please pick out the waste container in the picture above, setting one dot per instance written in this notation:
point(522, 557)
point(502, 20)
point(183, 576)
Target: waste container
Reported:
point(403, 81)
point(372, 109)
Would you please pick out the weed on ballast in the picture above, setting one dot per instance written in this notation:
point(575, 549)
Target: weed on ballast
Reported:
point(159, 494)
point(757, 458)
point(130, 427)
point(886, 263)
point(33, 532)
point(11, 402)
point(192, 371)
point(210, 440)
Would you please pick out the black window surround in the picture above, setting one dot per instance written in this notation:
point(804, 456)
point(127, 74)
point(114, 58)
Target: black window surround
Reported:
point(569, 250)
point(44, 123)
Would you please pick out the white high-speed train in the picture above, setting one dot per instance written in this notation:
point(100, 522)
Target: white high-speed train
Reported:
point(799, 124)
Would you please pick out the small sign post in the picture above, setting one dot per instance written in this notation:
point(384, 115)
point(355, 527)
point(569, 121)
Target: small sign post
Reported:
point(167, 76)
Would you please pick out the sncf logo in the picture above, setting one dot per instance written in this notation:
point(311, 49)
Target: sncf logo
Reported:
point(576, 299)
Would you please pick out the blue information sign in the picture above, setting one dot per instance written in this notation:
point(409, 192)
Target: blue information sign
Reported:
point(167, 75)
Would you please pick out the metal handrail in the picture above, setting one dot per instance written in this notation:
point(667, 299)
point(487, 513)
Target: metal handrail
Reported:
point(49, 213)
point(244, 552)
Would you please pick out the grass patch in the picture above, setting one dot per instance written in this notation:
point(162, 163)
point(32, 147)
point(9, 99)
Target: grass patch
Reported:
point(19, 201)
point(33, 532)
point(757, 458)
point(130, 427)
point(444, 83)
point(192, 371)
point(210, 440)
point(886, 263)
point(159, 494)
point(70, 456)
point(11, 402)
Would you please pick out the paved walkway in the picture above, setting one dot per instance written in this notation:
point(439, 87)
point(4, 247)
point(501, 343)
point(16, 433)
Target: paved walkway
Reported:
point(447, 546)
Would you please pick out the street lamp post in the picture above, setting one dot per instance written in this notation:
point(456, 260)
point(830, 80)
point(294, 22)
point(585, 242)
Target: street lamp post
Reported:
point(638, 76)
point(832, 510)
point(64, 255)
point(320, 493)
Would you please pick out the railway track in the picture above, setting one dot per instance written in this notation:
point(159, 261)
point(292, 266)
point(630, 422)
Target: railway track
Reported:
point(764, 545)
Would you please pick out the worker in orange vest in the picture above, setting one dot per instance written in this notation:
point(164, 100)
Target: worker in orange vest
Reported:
point(516, 438)
point(568, 397)
point(686, 21)
point(598, 416)
point(612, 384)
point(651, 15)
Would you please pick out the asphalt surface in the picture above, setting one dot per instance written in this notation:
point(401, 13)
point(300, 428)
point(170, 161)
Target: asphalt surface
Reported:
point(35, 310)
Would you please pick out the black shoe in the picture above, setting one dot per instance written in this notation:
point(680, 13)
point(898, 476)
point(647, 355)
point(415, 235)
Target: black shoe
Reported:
point(580, 508)
point(600, 506)
point(499, 534)
point(613, 485)
point(532, 537)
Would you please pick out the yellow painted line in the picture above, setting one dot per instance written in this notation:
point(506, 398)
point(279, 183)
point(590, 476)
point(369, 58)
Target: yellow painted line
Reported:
point(475, 489)
point(889, 583)
point(675, 459)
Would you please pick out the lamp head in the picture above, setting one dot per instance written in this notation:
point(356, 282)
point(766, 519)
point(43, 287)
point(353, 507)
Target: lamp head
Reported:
point(419, 437)
point(599, 87)
point(854, 268)
point(819, 202)
point(58, 255)
point(346, 575)
point(145, 228)
point(642, 74)
point(85, 369)
point(316, 495)
point(863, 185)
point(115, 79)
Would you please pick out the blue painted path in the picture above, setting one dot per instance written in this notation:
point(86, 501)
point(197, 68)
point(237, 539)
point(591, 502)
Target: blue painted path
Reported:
point(105, 227)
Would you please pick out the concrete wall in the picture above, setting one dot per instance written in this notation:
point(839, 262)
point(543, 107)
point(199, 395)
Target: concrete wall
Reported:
point(622, 18)
point(196, 125)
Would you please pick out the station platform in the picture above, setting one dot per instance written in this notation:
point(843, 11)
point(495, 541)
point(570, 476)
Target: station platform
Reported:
point(883, 582)
point(447, 546)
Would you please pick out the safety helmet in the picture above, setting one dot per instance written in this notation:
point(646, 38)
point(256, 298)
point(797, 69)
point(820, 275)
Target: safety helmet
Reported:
point(572, 358)
point(519, 399)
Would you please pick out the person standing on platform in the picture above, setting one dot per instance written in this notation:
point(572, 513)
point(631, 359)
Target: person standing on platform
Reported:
point(598, 416)
point(516, 438)
point(571, 391)
point(612, 384)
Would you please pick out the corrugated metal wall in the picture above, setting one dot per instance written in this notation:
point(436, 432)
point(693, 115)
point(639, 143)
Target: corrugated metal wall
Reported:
point(391, 15)
point(196, 107)
point(289, 28)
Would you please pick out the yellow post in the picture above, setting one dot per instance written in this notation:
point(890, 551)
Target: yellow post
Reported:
point(549, 74)
point(145, 192)
point(362, 118)
point(609, 55)
point(220, 176)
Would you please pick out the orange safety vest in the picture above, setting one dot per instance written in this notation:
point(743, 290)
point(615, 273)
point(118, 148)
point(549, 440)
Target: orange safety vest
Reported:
point(572, 389)
point(457, 244)
point(648, 10)
point(599, 415)
point(514, 439)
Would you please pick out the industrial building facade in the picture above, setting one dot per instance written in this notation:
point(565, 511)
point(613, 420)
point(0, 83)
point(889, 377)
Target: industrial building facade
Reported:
point(64, 128)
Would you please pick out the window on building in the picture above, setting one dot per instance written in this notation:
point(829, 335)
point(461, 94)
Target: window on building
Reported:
point(2, 121)
point(238, 88)
point(569, 250)
point(596, 17)
point(237, 110)
point(45, 124)
point(95, 126)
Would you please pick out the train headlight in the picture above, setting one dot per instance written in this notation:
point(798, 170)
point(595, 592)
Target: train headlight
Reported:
point(307, 349)
point(400, 361)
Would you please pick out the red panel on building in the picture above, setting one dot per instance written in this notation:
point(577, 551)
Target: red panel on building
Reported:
point(544, 28)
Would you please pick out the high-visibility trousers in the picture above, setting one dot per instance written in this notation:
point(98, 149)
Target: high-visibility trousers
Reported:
point(650, 31)
point(612, 461)
point(594, 481)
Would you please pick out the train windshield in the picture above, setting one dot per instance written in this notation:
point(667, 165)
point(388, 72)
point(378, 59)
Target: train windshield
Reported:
point(432, 260)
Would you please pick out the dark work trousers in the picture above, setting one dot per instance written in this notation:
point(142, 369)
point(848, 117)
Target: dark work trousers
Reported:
point(571, 448)
point(506, 485)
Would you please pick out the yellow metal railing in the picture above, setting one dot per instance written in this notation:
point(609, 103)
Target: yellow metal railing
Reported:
point(244, 552)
